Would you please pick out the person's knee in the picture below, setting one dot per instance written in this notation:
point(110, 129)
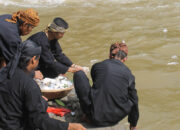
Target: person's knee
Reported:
point(80, 77)
point(79, 74)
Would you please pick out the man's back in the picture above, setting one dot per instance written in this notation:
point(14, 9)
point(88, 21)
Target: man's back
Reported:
point(109, 93)
point(12, 101)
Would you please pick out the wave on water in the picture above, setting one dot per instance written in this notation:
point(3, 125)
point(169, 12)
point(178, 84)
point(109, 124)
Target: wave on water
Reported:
point(123, 1)
point(55, 3)
point(172, 63)
point(31, 3)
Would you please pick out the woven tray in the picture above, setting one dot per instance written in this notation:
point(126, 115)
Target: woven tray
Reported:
point(58, 93)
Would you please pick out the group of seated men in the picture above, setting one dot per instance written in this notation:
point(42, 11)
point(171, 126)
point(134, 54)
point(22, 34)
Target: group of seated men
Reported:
point(111, 97)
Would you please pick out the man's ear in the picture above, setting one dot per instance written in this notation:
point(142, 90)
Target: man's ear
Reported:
point(33, 59)
point(23, 24)
point(123, 60)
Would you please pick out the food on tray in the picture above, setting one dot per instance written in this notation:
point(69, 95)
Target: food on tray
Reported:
point(61, 82)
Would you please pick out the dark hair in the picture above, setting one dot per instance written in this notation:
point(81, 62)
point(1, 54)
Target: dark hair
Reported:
point(20, 21)
point(116, 47)
point(26, 53)
point(24, 61)
point(121, 54)
point(61, 22)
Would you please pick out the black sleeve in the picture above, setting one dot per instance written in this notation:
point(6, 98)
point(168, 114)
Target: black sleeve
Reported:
point(134, 114)
point(37, 115)
point(94, 72)
point(98, 71)
point(9, 42)
point(60, 56)
point(48, 59)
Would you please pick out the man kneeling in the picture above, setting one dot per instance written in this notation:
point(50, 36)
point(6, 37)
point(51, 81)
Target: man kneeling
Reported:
point(113, 95)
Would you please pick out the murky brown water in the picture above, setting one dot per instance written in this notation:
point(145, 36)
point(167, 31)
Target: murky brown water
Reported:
point(150, 28)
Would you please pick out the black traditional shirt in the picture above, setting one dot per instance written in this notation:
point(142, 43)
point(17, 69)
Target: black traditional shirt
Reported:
point(113, 94)
point(9, 37)
point(22, 106)
point(52, 61)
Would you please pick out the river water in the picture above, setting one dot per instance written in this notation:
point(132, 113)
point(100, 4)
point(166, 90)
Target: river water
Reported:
point(150, 28)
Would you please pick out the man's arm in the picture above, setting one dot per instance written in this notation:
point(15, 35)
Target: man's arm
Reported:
point(37, 114)
point(134, 114)
point(46, 55)
point(60, 56)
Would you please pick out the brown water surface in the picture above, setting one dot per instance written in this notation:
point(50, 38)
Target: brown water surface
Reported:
point(151, 29)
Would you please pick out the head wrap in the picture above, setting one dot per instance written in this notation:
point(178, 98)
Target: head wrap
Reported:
point(29, 16)
point(55, 28)
point(27, 48)
point(58, 25)
point(116, 47)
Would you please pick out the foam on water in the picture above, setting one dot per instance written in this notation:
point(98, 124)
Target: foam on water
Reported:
point(31, 3)
point(172, 63)
point(174, 57)
point(173, 60)
point(94, 61)
point(124, 1)
point(55, 3)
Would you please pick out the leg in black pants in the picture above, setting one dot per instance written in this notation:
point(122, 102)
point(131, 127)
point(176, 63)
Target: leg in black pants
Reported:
point(83, 88)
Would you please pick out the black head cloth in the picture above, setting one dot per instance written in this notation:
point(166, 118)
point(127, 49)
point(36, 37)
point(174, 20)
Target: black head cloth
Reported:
point(26, 48)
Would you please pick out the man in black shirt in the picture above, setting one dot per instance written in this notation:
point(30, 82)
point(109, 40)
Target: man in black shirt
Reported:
point(53, 61)
point(21, 104)
point(113, 95)
point(12, 27)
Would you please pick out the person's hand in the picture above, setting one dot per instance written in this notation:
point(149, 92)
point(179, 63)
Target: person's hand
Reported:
point(38, 75)
point(45, 98)
point(75, 126)
point(78, 68)
point(73, 65)
point(71, 69)
point(133, 128)
point(74, 68)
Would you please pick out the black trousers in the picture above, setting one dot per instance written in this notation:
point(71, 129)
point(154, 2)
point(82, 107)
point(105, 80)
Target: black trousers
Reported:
point(83, 89)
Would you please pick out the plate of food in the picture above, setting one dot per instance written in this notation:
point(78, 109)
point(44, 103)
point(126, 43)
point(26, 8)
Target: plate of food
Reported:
point(55, 88)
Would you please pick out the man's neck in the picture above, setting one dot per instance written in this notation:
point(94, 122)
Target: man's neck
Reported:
point(49, 36)
point(122, 60)
point(28, 69)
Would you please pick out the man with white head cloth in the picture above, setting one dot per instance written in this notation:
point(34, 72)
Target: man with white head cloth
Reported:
point(53, 61)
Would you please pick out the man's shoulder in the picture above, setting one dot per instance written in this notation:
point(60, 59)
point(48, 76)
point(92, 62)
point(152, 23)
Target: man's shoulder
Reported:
point(105, 62)
point(7, 26)
point(20, 74)
point(101, 62)
point(23, 79)
point(41, 33)
point(5, 16)
point(118, 64)
point(38, 38)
